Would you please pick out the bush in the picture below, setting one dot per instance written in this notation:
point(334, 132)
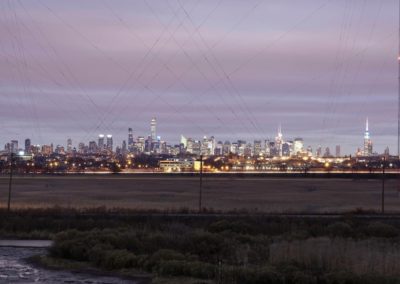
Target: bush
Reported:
point(339, 229)
point(194, 269)
point(206, 245)
point(381, 230)
point(118, 259)
point(264, 275)
point(225, 251)
point(162, 255)
point(97, 254)
point(236, 227)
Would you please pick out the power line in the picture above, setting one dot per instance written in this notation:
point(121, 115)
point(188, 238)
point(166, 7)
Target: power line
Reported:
point(165, 66)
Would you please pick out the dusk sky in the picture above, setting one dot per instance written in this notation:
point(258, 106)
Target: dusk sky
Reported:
point(232, 69)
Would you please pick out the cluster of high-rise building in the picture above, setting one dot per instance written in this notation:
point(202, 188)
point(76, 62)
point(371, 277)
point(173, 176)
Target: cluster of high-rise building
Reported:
point(273, 148)
point(207, 146)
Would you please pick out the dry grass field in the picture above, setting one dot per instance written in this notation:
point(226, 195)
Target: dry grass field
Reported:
point(220, 193)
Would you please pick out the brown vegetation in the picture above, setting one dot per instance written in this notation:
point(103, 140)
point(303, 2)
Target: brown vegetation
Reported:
point(219, 193)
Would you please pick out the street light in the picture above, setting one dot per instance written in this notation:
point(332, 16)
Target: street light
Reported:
point(201, 184)
point(383, 185)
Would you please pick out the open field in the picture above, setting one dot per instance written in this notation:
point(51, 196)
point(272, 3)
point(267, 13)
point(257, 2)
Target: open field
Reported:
point(220, 193)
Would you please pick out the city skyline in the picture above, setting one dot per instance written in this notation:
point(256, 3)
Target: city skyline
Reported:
point(70, 70)
point(106, 141)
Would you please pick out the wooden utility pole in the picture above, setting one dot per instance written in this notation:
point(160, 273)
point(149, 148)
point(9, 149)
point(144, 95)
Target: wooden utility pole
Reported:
point(398, 91)
point(383, 186)
point(201, 184)
point(398, 104)
point(10, 181)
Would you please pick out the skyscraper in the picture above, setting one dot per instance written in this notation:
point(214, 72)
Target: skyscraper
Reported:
point(69, 145)
point(109, 142)
point(153, 128)
point(14, 146)
point(327, 152)
point(226, 148)
point(257, 147)
point(81, 148)
point(123, 148)
point(184, 141)
point(309, 151)
point(218, 148)
point(337, 151)
point(367, 150)
point(267, 147)
point(386, 152)
point(286, 149)
point(279, 141)
point(92, 147)
point(298, 146)
point(319, 151)
point(130, 139)
point(27, 146)
point(208, 146)
point(101, 142)
point(140, 144)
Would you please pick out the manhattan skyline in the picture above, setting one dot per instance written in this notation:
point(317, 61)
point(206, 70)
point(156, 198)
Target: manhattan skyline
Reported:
point(152, 143)
point(318, 68)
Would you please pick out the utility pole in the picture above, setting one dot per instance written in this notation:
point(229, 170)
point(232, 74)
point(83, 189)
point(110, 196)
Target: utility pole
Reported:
point(398, 105)
point(383, 186)
point(10, 182)
point(398, 91)
point(201, 183)
point(398, 108)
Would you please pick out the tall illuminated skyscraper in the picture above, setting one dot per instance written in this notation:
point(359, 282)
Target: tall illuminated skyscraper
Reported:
point(257, 147)
point(109, 142)
point(69, 146)
point(298, 146)
point(130, 139)
point(367, 141)
point(101, 142)
point(279, 141)
point(153, 129)
point(184, 141)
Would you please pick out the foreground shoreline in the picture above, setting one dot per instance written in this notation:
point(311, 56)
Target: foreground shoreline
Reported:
point(48, 263)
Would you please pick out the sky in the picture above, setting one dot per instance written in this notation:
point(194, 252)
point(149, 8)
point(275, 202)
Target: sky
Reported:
point(228, 68)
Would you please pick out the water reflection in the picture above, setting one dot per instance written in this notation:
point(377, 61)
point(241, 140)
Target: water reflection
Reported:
point(15, 269)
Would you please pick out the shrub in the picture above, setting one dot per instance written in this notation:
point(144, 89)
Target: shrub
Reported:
point(339, 229)
point(242, 275)
point(381, 230)
point(207, 246)
point(97, 254)
point(194, 269)
point(118, 259)
point(236, 227)
point(161, 256)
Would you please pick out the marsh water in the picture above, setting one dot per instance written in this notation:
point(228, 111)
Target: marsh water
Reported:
point(15, 268)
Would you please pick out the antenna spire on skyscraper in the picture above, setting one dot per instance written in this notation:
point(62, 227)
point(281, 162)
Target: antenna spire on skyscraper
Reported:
point(367, 140)
point(280, 130)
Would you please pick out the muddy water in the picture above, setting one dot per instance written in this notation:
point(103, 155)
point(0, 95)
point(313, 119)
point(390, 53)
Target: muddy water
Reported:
point(15, 269)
